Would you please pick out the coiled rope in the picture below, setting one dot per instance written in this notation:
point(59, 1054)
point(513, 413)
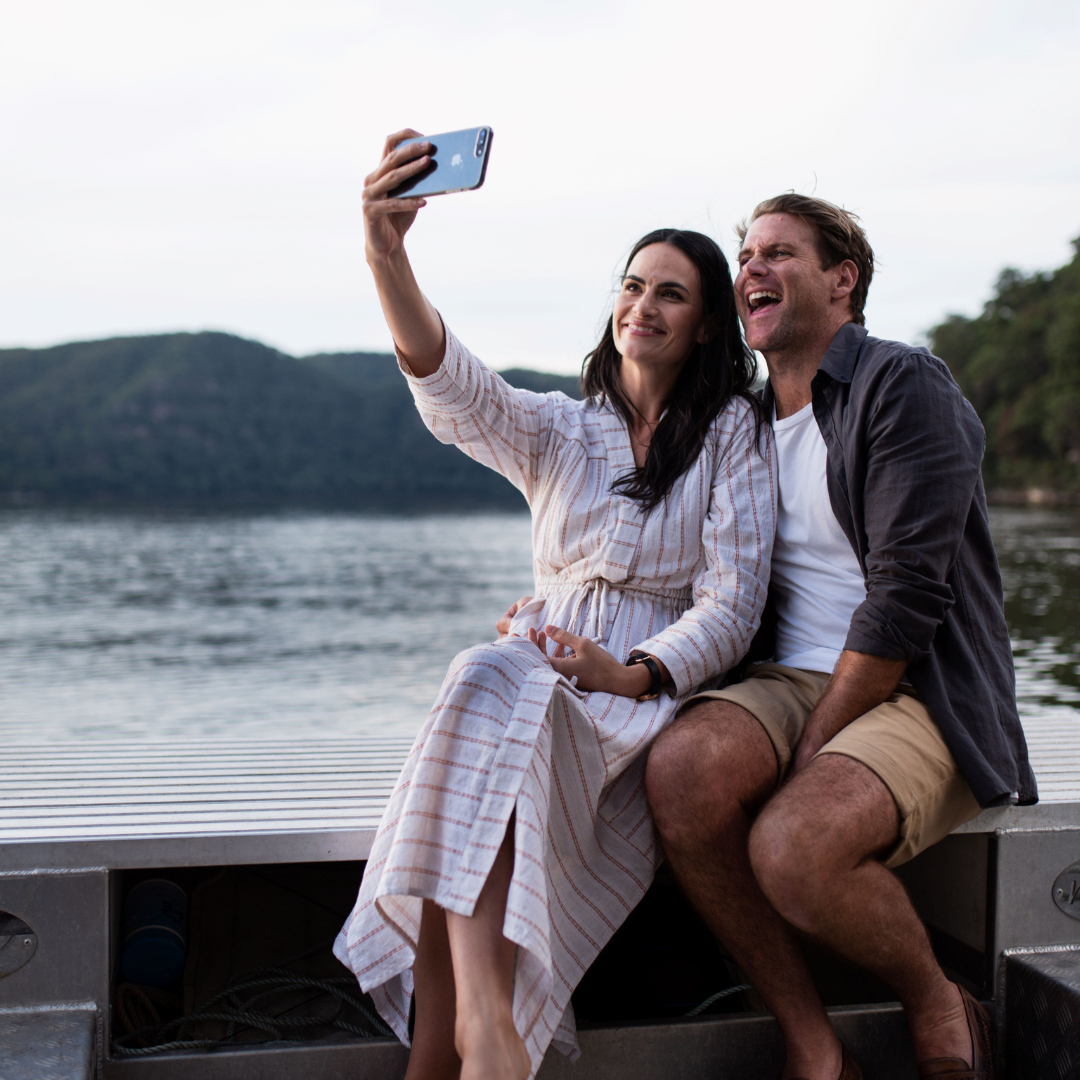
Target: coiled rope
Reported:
point(138, 1003)
point(716, 997)
point(228, 1007)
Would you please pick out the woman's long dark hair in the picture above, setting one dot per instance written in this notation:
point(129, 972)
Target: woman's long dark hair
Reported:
point(714, 372)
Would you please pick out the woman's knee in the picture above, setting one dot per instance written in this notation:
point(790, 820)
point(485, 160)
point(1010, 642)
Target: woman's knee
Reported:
point(487, 652)
point(511, 657)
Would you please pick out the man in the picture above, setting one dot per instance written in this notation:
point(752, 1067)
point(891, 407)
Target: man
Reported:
point(888, 716)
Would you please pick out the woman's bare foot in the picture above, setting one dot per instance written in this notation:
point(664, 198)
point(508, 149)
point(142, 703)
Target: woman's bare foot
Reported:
point(492, 1051)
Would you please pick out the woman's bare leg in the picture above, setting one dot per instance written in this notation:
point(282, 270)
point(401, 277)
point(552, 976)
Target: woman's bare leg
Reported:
point(485, 1036)
point(433, 1056)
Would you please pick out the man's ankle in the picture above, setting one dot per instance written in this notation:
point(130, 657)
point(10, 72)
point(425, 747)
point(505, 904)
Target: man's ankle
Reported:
point(816, 1058)
point(939, 1026)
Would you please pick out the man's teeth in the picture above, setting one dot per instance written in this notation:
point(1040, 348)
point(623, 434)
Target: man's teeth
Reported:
point(756, 299)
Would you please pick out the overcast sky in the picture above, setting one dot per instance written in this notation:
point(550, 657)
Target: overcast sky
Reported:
point(198, 165)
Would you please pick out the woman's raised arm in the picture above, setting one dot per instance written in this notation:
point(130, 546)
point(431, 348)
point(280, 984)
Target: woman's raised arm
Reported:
point(413, 320)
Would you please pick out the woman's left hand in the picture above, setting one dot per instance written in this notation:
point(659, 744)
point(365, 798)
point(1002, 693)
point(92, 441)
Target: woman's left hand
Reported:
point(595, 668)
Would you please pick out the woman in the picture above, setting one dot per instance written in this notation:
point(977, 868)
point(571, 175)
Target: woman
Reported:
point(518, 839)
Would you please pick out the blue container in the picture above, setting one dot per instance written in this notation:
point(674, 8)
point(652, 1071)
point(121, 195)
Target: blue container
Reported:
point(155, 942)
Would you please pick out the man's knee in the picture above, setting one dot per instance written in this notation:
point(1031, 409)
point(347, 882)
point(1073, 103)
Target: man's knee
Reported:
point(791, 860)
point(703, 769)
point(822, 825)
point(675, 768)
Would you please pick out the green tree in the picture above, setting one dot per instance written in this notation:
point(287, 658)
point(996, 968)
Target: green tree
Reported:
point(1019, 365)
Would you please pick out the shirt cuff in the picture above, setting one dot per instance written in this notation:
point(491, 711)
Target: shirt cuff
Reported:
point(681, 676)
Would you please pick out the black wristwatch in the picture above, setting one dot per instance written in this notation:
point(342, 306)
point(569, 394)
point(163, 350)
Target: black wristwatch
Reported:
point(638, 657)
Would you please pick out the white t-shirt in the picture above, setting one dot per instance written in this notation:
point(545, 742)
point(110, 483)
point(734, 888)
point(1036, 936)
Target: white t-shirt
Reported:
point(816, 577)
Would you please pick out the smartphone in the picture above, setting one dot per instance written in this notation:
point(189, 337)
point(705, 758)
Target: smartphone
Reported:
point(458, 163)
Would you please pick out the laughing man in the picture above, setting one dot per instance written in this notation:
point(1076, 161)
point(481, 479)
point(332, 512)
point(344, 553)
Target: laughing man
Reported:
point(887, 716)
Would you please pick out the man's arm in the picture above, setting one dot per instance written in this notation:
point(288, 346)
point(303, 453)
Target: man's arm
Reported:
point(860, 683)
point(923, 445)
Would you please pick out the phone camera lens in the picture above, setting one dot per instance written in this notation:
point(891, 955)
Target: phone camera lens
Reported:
point(481, 139)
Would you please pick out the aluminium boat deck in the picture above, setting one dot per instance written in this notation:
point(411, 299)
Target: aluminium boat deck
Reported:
point(123, 804)
point(120, 804)
point(75, 817)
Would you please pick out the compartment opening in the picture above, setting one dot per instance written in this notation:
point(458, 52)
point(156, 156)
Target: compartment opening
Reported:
point(258, 967)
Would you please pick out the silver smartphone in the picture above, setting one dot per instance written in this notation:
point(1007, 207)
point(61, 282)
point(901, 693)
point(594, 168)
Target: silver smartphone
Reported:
point(458, 163)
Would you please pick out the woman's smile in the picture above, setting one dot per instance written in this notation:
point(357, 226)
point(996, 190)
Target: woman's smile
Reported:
point(633, 326)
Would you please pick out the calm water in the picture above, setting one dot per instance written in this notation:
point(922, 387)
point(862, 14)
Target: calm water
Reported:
point(284, 624)
point(253, 625)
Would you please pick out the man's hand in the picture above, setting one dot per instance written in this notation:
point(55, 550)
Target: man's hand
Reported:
point(502, 627)
point(592, 665)
point(860, 683)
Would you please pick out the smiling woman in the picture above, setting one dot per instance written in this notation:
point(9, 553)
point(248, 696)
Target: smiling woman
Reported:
point(673, 340)
point(518, 838)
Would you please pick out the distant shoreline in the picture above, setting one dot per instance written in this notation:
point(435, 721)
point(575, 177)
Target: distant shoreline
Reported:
point(510, 503)
point(513, 503)
point(1032, 496)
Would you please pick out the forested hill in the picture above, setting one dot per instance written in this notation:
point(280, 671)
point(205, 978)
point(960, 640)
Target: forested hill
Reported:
point(212, 419)
point(1019, 365)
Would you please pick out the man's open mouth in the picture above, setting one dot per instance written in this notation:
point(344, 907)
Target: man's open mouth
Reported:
point(761, 299)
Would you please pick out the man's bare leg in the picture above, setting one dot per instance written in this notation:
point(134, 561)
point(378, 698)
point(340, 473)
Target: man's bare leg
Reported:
point(705, 777)
point(812, 849)
point(433, 1055)
point(485, 1036)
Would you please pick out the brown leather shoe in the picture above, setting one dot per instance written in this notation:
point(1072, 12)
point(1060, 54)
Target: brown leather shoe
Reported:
point(982, 1049)
point(849, 1067)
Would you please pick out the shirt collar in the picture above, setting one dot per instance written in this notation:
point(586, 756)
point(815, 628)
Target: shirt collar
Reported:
point(838, 362)
point(840, 357)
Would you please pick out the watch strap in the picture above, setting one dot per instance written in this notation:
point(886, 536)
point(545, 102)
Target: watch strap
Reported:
point(638, 657)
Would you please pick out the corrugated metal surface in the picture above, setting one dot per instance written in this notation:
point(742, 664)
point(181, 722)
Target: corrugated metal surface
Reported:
point(1054, 745)
point(104, 789)
point(99, 792)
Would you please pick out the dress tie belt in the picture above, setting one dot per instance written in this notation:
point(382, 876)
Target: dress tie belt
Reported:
point(596, 593)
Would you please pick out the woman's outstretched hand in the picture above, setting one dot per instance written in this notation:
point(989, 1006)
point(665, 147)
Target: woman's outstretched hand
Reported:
point(595, 668)
point(386, 220)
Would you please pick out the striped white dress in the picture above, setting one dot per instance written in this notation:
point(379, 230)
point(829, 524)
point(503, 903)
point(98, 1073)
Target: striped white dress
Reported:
point(685, 583)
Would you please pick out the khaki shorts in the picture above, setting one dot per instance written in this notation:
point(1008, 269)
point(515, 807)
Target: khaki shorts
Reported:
point(898, 740)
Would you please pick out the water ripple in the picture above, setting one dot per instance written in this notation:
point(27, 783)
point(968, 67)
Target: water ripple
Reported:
point(191, 626)
point(194, 625)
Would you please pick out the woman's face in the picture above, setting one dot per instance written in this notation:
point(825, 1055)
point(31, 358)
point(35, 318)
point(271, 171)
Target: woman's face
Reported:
point(659, 314)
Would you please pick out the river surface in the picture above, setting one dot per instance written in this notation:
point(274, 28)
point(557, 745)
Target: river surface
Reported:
point(202, 626)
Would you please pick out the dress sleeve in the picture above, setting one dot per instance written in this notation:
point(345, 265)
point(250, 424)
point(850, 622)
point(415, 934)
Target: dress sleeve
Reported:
point(468, 405)
point(730, 590)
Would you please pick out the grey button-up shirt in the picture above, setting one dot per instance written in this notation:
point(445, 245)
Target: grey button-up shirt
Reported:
point(904, 473)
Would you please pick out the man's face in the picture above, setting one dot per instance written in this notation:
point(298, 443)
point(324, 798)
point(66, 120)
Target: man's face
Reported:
point(783, 295)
